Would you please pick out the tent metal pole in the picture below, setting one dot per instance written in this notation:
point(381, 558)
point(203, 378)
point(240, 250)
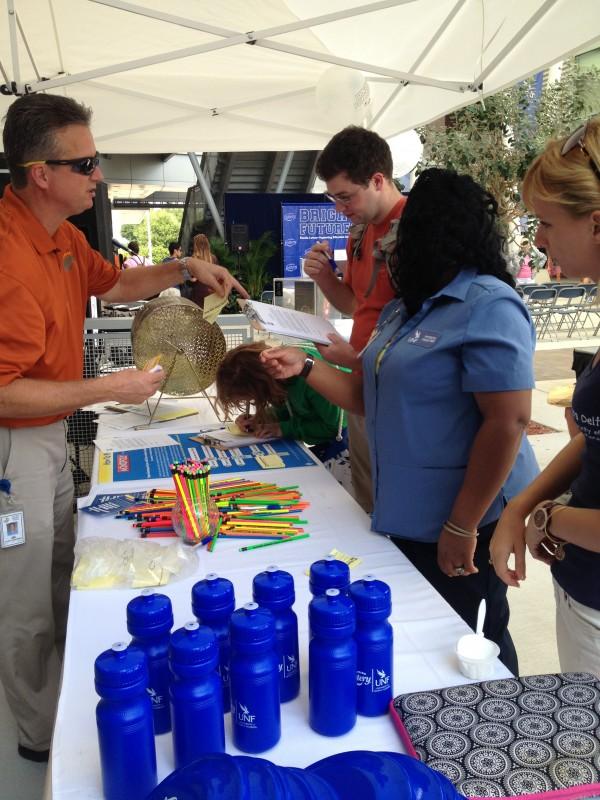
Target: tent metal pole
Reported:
point(277, 30)
point(14, 51)
point(26, 43)
point(403, 77)
point(424, 52)
point(207, 193)
point(284, 171)
point(516, 40)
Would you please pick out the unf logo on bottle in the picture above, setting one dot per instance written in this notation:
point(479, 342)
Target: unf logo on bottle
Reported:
point(157, 699)
point(378, 680)
point(244, 717)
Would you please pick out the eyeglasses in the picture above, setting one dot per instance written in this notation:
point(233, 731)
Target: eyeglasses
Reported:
point(83, 166)
point(343, 199)
point(576, 139)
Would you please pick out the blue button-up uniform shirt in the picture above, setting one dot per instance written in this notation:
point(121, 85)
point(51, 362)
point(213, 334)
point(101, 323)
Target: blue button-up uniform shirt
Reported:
point(420, 376)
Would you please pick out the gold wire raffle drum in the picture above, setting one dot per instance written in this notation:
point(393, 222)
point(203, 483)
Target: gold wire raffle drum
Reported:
point(189, 349)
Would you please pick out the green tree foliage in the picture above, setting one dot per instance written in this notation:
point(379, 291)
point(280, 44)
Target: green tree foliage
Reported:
point(164, 228)
point(494, 141)
point(252, 271)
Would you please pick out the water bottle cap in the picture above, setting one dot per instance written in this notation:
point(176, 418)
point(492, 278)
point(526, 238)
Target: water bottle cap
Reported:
point(149, 613)
point(121, 667)
point(328, 572)
point(193, 645)
point(371, 596)
point(213, 595)
point(252, 625)
point(332, 613)
point(274, 589)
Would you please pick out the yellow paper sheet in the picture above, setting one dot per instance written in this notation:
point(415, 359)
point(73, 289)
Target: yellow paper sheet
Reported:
point(213, 304)
point(272, 461)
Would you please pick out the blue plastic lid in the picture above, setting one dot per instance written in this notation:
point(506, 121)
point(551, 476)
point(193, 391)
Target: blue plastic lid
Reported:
point(328, 573)
point(213, 595)
point(253, 625)
point(194, 645)
point(373, 598)
point(274, 589)
point(121, 667)
point(150, 613)
point(332, 613)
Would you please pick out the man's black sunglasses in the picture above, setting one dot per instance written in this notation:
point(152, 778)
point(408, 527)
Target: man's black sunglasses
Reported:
point(84, 166)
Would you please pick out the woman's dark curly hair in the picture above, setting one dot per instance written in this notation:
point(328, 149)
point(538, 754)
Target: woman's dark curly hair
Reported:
point(449, 223)
point(242, 378)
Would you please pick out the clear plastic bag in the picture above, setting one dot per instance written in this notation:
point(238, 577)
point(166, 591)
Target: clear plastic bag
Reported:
point(103, 563)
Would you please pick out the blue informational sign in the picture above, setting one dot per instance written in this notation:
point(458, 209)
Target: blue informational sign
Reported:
point(154, 462)
point(302, 225)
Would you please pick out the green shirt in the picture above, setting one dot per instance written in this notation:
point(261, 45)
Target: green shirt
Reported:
point(307, 415)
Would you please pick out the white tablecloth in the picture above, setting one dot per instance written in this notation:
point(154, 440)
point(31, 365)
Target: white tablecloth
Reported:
point(425, 630)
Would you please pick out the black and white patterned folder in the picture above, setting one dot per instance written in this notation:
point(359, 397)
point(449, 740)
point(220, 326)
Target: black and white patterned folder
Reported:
point(510, 737)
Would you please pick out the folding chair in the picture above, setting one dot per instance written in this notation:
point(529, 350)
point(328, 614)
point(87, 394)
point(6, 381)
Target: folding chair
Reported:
point(570, 301)
point(540, 303)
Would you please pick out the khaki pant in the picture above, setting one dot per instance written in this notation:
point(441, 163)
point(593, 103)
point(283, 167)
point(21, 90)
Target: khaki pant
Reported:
point(577, 634)
point(360, 462)
point(35, 576)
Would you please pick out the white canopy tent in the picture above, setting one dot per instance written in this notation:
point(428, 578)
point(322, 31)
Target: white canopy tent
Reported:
point(237, 75)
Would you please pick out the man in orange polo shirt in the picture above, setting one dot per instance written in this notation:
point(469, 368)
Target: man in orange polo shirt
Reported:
point(357, 168)
point(47, 273)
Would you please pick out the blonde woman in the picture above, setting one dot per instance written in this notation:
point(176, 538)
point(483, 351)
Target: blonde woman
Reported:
point(194, 290)
point(562, 188)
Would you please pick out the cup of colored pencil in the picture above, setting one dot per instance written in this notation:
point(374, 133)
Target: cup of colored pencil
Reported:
point(195, 516)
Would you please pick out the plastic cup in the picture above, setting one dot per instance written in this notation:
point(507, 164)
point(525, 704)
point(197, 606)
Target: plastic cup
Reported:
point(476, 656)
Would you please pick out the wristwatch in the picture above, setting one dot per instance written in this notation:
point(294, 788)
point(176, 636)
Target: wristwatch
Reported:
point(542, 515)
point(185, 273)
point(308, 365)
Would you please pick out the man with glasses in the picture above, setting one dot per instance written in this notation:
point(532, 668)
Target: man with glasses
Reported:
point(47, 273)
point(357, 168)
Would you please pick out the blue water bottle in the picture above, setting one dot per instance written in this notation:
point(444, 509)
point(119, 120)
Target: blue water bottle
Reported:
point(328, 573)
point(196, 694)
point(254, 680)
point(374, 644)
point(149, 621)
point(213, 602)
point(332, 664)
point(125, 725)
point(274, 589)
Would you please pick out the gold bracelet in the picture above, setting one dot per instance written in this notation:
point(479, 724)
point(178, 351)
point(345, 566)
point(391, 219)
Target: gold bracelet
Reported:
point(552, 513)
point(458, 531)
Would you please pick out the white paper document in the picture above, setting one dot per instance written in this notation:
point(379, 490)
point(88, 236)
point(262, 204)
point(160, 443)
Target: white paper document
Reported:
point(133, 442)
point(286, 322)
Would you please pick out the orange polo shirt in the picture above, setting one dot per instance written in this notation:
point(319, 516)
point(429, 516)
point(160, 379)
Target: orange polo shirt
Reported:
point(358, 276)
point(45, 283)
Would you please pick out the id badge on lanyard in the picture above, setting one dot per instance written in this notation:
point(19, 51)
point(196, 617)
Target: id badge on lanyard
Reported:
point(12, 518)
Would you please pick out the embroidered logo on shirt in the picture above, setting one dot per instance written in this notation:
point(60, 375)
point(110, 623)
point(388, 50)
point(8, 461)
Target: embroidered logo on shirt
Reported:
point(423, 338)
point(67, 261)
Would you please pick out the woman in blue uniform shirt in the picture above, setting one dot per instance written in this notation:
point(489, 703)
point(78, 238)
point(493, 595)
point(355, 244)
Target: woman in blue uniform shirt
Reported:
point(562, 188)
point(446, 392)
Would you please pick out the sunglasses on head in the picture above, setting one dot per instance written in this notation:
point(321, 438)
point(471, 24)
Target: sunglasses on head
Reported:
point(577, 139)
point(83, 166)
